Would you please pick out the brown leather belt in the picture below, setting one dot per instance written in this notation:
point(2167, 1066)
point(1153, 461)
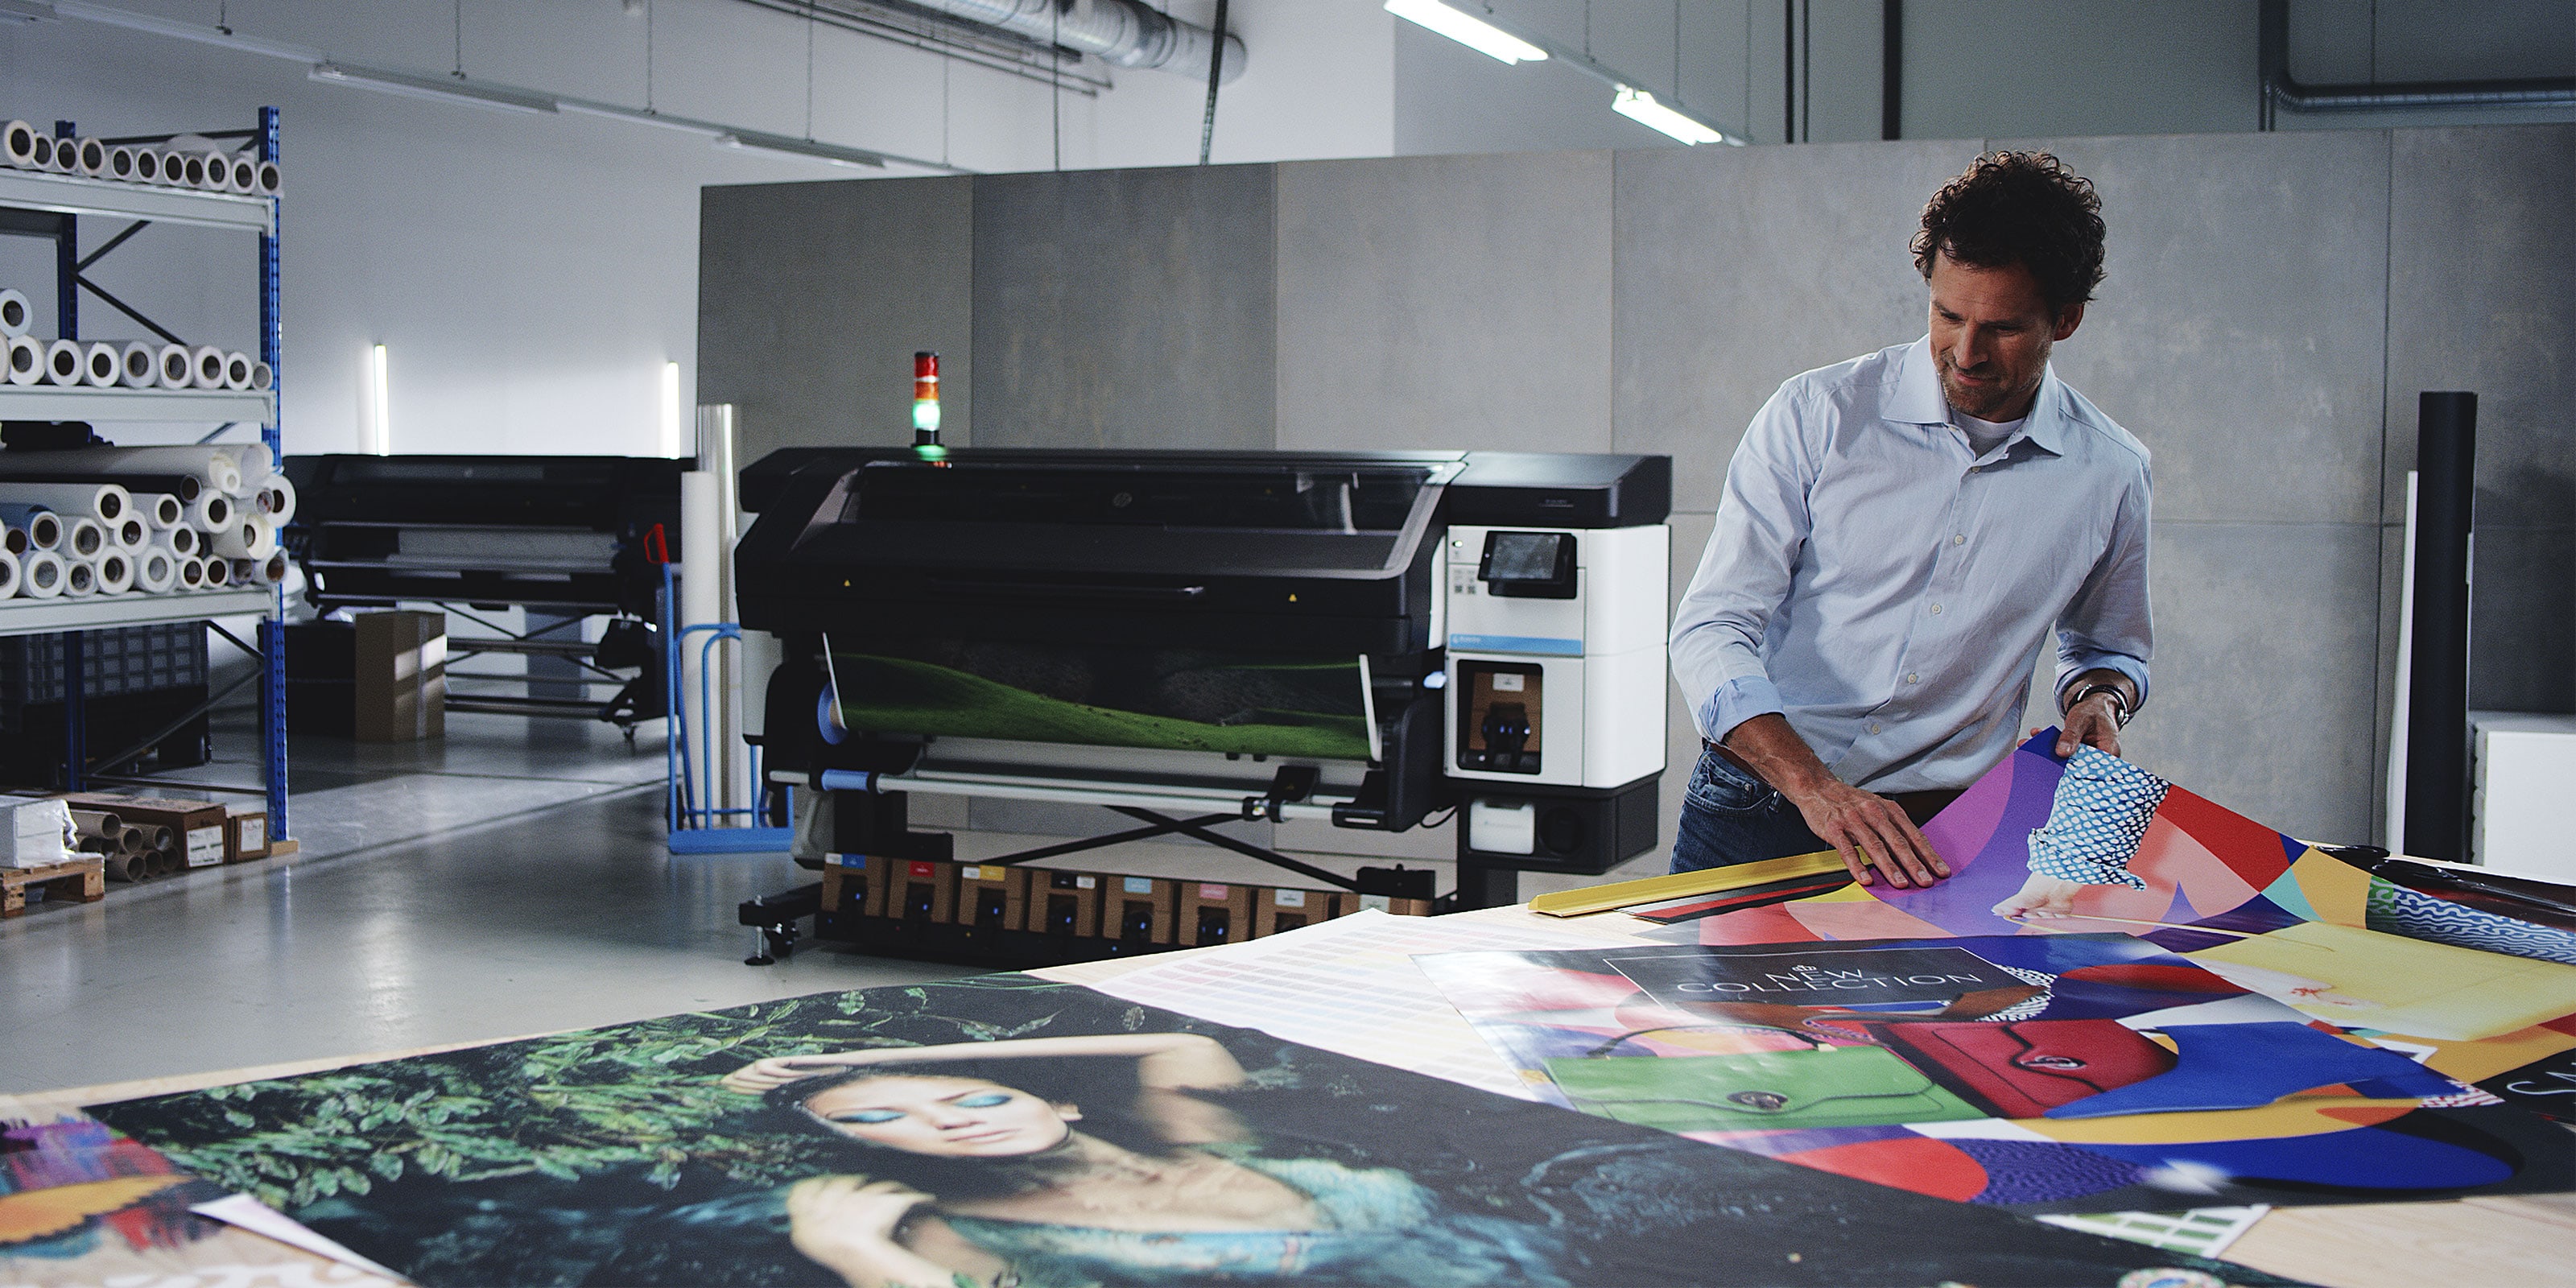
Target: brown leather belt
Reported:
point(1918, 806)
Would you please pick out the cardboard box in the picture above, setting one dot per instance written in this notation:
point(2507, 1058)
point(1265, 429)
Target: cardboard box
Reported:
point(245, 832)
point(1137, 910)
point(1213, 913)
point(845, 884)
point(1348, 903)
point(912, 889)
point(1063, 904)
point(401, 686)
point(992, 896)
point(1276, 910)
point(200, 826)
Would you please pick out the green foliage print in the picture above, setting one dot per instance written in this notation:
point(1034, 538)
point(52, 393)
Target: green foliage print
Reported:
point(640, 1095)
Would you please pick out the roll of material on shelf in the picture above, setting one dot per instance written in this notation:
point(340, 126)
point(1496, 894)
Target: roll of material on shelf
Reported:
point(26, 360)
point(13, 539)
point(102, 364)
point(162, 510)
point(192, 573)
point(104, 501)
point(262, 572)
point(44, 530)
point(214, 468)
point(89, 157)
point(40, 575)
point(139, 366)
point(246, 538)
point(115, 573)
point(262, 376)
point(147, 165)
point(8, 575)
point(130, 532)
point(178, 366)
point(219, 572)
point(16, 315)
point(18, 143)
point(276, 498)
point(219, 171)
point(120, 163)
point(236, 370)
point(212, 511)
point(245, 174)
point(181, 541)
point(83, 538)
point(80, 578)
point(270, 178)
point(190, 171)
point(209, 366)
point(156, 571)
point(63, 364)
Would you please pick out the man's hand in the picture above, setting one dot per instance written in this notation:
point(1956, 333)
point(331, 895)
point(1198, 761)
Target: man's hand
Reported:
point(1866, 830)
point(2095, 722)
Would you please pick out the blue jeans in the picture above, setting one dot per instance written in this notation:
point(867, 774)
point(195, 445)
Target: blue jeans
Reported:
point(1729, 817)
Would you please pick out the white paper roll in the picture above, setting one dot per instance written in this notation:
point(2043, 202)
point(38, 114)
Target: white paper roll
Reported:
point(139, 366)
point(115, 573)
point(217, 468)
point(245, 173)
point(178, 366)
point(18, 144)
point(26, 360)
point(80, 578)
point(44, 530)
point(63, 362)
point(182, 540)
point(180, 170)
point(260, 572)
point(89, 157)
point(209, 363)
point(246, 538)
point(147, 165)
point(262, 376)
point(218, 572)
point(131, 532)
point(102, 364)
point(104, 501)
point(16, 315)
point(156, 571)
point(66, 156)
point(219, 171)
point(160, 509)
point(8, 575)
point(13, 540)
point(83, 537)
point(120, 163)
point(192, 573)
point(212, 512)
point(277, 497)
point(41, 575)
point(236, 370)
point(270, 179)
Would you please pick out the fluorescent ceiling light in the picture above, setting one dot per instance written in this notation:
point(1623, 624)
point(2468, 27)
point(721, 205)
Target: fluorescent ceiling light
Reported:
point(448, 90)
point(754, 141)
point(1639, 106)
point(1475, 33)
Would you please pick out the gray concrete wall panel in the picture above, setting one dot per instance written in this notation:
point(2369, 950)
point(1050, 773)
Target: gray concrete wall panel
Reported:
point(812, 298)
point(1125, 308)
point(1737, 268)
point(1446, 302)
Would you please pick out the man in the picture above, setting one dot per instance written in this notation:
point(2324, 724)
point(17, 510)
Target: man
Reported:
point(1898, 535)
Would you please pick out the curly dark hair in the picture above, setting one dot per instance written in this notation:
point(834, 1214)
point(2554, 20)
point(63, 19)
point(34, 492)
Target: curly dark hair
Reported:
point(2022, 208)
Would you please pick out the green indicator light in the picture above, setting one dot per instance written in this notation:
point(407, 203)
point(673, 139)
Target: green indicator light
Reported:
point(925, 415)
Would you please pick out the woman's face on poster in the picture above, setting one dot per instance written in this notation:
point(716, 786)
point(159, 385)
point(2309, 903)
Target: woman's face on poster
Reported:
point(944, 1117)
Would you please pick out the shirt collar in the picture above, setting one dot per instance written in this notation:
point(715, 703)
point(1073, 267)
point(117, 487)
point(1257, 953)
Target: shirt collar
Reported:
point(1918, 400)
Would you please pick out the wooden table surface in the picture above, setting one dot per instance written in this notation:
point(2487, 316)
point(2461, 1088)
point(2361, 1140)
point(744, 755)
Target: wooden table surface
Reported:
point(2525, 1242)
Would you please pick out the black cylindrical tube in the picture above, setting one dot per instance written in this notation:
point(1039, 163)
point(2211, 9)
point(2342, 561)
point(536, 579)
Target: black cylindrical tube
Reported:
point(2437, 710)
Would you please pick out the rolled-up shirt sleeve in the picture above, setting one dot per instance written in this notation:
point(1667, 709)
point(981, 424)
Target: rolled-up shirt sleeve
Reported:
point(1744, 577)
point(2107, 625)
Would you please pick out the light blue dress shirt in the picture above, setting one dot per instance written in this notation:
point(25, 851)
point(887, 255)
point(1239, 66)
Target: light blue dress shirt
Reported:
point(1889, 592)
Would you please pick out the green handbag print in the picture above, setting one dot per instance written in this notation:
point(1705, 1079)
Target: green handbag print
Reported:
point(1830, 1086)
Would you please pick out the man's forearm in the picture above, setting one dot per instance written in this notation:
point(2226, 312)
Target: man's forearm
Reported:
point(2122, 684)
point(1778, 755)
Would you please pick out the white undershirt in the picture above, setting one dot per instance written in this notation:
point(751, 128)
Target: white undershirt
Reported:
point(1984, 435)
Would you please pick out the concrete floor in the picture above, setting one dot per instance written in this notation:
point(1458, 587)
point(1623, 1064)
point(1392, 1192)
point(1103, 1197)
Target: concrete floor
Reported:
point(506, 880)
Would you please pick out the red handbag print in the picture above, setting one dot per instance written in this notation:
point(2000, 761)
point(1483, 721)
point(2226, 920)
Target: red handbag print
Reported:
point(2024, 1069)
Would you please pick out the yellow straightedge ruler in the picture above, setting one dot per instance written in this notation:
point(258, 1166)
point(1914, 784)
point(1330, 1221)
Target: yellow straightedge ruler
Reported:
point(1626, 894)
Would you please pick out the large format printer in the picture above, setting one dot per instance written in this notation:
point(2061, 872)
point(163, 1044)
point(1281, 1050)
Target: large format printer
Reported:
point(1366, 638)
point(565, 537)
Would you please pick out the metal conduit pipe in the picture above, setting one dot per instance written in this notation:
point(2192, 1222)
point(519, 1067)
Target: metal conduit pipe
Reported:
point(2280, 89)
point(1121, 33)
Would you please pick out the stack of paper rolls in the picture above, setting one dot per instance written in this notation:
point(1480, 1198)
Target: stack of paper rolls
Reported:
point(179, 161)
point(141, 520)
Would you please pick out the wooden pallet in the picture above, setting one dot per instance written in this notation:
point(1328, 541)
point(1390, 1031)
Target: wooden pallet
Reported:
point(84, 877)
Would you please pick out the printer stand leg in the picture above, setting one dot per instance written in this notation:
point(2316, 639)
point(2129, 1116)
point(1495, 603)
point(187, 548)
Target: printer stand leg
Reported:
point(1485, 885)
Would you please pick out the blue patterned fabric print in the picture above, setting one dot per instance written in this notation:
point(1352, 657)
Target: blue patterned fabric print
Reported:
point(1378, 1226)
point(2030, 1171)
point(2396, 910)
point(2101, 812)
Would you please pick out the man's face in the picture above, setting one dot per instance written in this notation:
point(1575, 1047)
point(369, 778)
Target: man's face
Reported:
point(1991, 332)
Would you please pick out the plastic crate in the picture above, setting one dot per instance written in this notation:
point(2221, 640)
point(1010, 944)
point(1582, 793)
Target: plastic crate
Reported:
point(117, 661)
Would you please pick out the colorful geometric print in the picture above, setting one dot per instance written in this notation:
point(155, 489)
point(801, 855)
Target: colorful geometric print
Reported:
point(2397, 910)
point(2101, 810)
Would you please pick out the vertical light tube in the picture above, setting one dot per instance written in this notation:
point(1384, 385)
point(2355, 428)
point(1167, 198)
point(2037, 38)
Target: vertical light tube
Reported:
point(670, 426)
point(380, 406)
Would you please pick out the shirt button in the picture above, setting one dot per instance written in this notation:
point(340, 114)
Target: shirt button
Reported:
point(1873, 726)
point(1976, 469)
point(1912, 678)
point(1958, 541)
point(1936, 610)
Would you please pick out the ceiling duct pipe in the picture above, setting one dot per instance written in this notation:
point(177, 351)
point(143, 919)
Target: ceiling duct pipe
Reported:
point(2280, 89)
point(1121, 33)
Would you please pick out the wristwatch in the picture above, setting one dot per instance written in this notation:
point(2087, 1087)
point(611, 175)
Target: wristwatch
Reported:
point(2119, 702)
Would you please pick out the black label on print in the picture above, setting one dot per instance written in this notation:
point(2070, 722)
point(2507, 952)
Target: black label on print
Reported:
point(1822, 976)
